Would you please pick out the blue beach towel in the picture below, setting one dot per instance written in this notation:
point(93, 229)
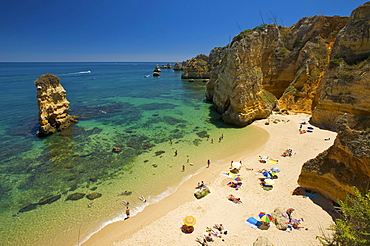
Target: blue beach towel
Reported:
point(313, 196)
point(252, 222)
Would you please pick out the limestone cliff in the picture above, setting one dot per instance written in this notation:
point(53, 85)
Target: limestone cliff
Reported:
point(53, 105)
point(344, 165)
point(344, 90)
point(271, 63)
point(345, 87)
point(196, 68)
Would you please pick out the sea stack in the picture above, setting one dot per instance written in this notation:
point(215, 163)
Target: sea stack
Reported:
point(53, 105)
point(177, 66)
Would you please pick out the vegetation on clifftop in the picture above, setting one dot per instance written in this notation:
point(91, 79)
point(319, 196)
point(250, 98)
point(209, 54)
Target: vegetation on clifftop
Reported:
point(353, 227)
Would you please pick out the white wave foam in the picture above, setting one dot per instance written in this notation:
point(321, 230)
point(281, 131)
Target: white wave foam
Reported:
point(138, 209)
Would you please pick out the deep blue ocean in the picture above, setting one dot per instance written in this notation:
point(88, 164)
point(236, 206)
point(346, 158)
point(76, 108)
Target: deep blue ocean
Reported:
point(117, 107)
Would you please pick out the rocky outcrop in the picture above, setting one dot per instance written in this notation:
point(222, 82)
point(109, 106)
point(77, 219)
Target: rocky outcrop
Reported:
point(279, 220)
point(53, 105)
point(157, 69)
point(177, 66)
point(271, 63)
point(344, 165)
point(196, 68)
point(345, 85)
point(343, 103)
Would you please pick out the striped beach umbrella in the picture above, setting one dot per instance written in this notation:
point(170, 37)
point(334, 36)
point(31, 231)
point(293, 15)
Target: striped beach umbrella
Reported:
point(190, 220)
point(265, 217)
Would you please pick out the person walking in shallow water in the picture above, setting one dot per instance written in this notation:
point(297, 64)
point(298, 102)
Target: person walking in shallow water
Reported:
point(183, 167)
point(127, 213)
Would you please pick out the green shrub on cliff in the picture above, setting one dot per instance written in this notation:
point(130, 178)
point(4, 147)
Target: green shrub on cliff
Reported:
point(354, 227)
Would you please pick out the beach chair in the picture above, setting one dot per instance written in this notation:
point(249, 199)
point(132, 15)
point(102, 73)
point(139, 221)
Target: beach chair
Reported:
point(252, 222)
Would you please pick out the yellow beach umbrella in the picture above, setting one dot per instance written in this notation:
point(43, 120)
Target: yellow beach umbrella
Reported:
point(190, 220)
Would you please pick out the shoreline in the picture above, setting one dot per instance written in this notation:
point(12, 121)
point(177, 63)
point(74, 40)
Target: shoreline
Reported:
point(141, 227)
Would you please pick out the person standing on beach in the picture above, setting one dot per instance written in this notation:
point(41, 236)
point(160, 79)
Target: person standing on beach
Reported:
point(183, 167)
point(127, 213)
point(208, 163)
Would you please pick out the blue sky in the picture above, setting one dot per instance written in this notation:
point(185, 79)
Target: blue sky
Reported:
point(137, 30)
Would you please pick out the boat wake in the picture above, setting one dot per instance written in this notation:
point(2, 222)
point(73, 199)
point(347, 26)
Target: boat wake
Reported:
point(82, 72)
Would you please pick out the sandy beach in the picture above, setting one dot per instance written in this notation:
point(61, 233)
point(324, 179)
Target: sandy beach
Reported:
point(159, 223)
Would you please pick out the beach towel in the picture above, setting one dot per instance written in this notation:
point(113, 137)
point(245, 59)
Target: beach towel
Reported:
point(310, 195)
point(229, 175)
point(252, 222)
point(267, 188)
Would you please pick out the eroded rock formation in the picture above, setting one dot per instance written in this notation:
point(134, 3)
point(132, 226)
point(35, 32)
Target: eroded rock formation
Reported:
point(343, 103)
point(345, 87)
point(196, 68)
point(53, 105)
point(271, 63)
point(318, 66)
point(177, 66)
point(344, 165)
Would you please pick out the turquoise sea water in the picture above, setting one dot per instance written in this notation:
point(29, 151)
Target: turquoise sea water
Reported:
point(117, 107)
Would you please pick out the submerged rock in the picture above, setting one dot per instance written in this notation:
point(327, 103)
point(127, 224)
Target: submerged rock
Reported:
point(116, 149)
point(49, 199)
point(93, 195)
point(28, 207)
point(75, 196)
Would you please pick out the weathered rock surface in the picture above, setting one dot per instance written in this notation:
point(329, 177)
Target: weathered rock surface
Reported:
point(279, 220)
point(196, 68)
point(53, 105)
point(318, 66)
point(344, 165)
point(177, 66)
point(343, 103)
point(269, 63)
point(157, 69)
point(345, 87)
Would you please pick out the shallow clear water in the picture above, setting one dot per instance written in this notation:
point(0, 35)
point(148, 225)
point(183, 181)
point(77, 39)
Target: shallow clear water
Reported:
point(117, 107)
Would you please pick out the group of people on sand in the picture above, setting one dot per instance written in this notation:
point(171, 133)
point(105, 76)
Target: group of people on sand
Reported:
point(288, 152)
point(200, 185)
point(217, 231)
point(293, 223)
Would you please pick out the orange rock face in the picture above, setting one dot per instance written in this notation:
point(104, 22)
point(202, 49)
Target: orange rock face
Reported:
point(53, 105)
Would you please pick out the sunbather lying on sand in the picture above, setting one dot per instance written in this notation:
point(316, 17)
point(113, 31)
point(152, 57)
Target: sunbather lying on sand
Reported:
point(219, 226)
point(233, 198)
point(202, 241)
